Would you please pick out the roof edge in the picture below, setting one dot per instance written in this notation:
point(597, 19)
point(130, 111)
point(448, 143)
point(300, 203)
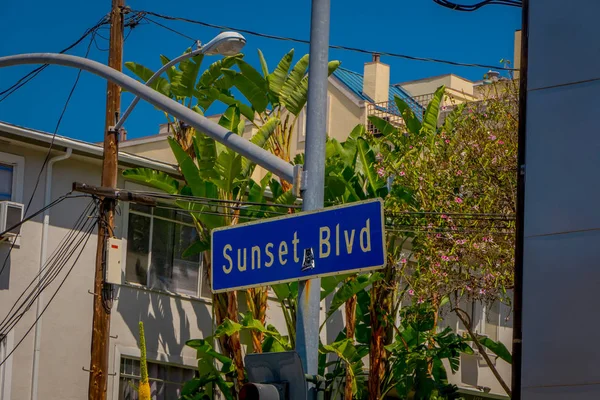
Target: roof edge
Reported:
point(82, 147)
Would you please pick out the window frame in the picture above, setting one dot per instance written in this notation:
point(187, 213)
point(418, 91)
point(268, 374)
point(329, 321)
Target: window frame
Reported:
point(119, 374)
point(18, 176)
point(124, 239)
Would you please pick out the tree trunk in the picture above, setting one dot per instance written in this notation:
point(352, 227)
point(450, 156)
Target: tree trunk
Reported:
point(226, 306)
point(256, 299)
point(382, 295)
point(350, 330)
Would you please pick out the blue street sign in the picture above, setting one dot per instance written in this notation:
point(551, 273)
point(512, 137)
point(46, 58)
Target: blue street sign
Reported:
point(335, 240)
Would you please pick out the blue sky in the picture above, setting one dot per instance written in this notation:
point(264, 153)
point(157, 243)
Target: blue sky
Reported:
point(415, 27)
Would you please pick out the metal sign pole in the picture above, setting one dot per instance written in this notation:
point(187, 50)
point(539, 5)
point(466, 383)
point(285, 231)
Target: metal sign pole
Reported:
point(307, 326)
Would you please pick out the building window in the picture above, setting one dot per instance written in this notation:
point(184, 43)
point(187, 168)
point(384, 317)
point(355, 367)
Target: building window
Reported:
point(6, 181)
point(156, 240)
point(165, 380)
point(11, 177)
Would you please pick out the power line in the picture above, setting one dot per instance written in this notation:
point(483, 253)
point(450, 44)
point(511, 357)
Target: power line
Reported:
point(89, 234)
point(477, 6)
point(32, 74)
point(170, 29)
point(304, 41)
point(55, 202)
point(58, 122)
point(51, 269)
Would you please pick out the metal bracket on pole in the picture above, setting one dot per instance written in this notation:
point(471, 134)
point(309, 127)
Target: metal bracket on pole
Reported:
point(299, 183)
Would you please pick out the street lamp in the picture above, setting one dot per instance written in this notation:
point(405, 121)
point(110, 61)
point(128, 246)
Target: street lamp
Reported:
point(225, 43)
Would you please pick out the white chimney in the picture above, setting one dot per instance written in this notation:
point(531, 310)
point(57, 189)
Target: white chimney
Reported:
point(376, 81)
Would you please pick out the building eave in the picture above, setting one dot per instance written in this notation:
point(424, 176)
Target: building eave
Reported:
point(336, 83)
point(43, 139)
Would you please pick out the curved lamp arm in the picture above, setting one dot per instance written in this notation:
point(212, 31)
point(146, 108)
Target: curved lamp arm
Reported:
point(150, 81)
point(235, 142)
point(225, 43)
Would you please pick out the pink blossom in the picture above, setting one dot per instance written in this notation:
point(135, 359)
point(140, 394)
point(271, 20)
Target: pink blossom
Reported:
point(475, 246)
point(459, 172)
point(444, 216)
point(421, 178)
point(461, 241)
point(468, 288)
point(403, 261)
point(444, 274)
point(447, 141)
point(492, 137)
point(439, 235)
point(410, 147)
point(481, 291)
point(445, 258)
point(420, 301)
point(411, 292)
point(458, 200)
point(429, 226)
point(402, 173)
point(380, 171)
point(454, 228)
point(437, 264)
point(500, 142)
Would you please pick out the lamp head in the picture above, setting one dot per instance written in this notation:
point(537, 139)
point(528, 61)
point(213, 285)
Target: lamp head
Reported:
point(225, 44)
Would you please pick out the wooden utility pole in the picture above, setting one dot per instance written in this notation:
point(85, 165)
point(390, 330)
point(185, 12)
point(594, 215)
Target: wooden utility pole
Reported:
point(102, 291)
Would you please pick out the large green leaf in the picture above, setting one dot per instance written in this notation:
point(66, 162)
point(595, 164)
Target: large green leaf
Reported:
point(151, 177)
point(190, 69)
point(294, 80)
point(497, 348)
point(412, 122)
point(383, 126)
point(197, 247)
point(229, 167)
point(277, 78)
point(160, 84)
point(173, 73)
point(214, 71)
point(246, 110)
point(263, 64)
point(430, 119)
point(260, 139)
point(330, 283)
point(188, 168)
point(296, 100)
point(252, 74)
point(366, 166)
point(349, 289)
point(230, 119)
point(346, 351)
point(206, 156)
point(363, 317)
point(252, 92)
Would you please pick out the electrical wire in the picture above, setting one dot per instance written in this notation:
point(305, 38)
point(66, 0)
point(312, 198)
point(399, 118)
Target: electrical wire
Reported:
point(32, 74)
point(52, 268)
point(477, 6)
point(304, 41)
point(89, 234)
point(192, 199)
point(170, 29)
point(52, 204)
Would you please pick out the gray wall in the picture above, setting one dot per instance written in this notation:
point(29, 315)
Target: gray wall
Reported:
point(66, 325)
point(562, 213)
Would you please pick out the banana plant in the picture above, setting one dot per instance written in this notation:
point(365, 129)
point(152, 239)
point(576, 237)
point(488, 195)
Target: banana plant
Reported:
point(186, 84)
point(216, 172)
point(280, 93)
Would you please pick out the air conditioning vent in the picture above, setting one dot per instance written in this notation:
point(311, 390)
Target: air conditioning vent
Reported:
point(10, 215)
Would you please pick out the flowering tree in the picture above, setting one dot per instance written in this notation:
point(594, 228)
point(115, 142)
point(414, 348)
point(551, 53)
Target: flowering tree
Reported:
point(458, 208)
